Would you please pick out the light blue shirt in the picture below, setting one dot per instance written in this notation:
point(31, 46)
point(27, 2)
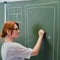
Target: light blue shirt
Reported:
point(15, 51)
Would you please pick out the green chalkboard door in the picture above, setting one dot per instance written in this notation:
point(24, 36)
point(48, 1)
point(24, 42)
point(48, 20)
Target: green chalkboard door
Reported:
point(31, 17)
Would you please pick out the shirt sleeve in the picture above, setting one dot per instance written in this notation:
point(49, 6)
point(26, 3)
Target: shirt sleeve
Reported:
point(19, 50)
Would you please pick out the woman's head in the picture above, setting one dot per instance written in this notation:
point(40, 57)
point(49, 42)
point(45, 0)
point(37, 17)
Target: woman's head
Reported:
point(8, 26)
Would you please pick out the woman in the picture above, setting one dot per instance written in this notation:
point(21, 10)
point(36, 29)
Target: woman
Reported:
point(11, 50)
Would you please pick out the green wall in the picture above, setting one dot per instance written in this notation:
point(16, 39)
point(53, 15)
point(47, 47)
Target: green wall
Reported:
point(32, 16)
point(1, 21)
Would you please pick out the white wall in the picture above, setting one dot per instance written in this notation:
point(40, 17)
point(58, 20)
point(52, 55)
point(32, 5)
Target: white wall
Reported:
point(12, 0)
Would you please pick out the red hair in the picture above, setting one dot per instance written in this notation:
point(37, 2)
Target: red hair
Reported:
point(8, 25)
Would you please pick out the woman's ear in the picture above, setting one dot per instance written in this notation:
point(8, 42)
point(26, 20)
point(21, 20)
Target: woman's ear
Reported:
point(8, 32)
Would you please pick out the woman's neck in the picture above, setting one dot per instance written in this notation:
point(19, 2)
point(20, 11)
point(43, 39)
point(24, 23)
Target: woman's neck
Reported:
point(9, 39)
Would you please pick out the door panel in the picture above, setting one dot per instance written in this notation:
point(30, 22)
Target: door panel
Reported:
point(38, 17)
